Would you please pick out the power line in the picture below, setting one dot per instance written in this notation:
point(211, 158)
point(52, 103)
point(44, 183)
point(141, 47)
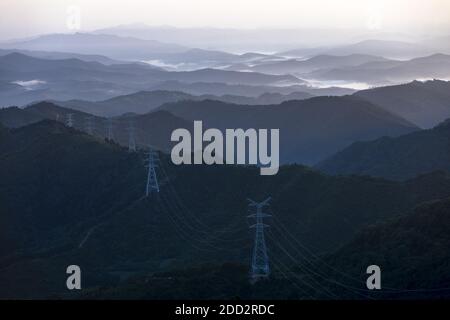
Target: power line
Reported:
point(197, 224)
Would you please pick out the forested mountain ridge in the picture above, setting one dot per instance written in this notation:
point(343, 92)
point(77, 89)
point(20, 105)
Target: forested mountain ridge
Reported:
point(69, 197)
point(397, 158)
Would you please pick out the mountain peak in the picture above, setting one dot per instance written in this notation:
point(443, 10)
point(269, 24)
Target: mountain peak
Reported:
point(15, 56)
point(51, 110)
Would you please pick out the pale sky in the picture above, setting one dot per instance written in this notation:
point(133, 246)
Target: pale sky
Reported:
point(21, 18)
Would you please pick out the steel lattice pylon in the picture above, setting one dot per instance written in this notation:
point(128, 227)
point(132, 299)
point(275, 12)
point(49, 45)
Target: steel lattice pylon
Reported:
point(260, 260)
point(152, 178)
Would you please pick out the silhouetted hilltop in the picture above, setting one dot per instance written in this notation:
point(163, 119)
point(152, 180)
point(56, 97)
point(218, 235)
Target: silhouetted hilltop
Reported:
point(395, 158)
point(68, 196)
point(146, 101)
point(310, 130)
point(423, 103)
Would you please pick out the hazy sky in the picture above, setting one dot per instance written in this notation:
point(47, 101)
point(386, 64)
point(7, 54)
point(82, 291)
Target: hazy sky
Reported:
point(19, 18)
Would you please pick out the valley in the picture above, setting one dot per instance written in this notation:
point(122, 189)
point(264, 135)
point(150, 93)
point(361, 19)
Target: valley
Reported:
point(218, 152)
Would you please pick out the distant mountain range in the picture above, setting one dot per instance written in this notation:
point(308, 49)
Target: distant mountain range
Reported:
point(147, 101)
point(218, 89)
point(198, 58)
point(128, 48)
point(234, 40)
point(150, 129)
point(26, 79)
point(42, 79)
point(319, 62)
point(16, 64)
point(310, 130)
point(424, 103)
point(62, 55)
point(384, 48)
point(398, 158)
point(356, 68)
point(436, 66)
point(122, 48)
point(375, 113)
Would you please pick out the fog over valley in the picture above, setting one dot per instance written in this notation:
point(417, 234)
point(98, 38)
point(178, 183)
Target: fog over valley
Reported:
point(225, 150)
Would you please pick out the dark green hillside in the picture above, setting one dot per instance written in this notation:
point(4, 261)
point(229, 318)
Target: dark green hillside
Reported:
point(310, 130)
point(411, 250)
point(70, 198)
point(52, 178)
point(151, 128)
point(423, 103)
point(14, 117)
point(398, 158)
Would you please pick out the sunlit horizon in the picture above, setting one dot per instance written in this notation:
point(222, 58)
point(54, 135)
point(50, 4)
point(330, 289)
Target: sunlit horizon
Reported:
point(25, 18)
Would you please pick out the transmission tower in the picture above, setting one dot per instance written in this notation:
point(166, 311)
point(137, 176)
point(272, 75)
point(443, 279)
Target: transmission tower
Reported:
point(260, 260)
point(131, 137)
point(89, 125)
point(152, 179)
point(110, 129)
point(69, 119)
